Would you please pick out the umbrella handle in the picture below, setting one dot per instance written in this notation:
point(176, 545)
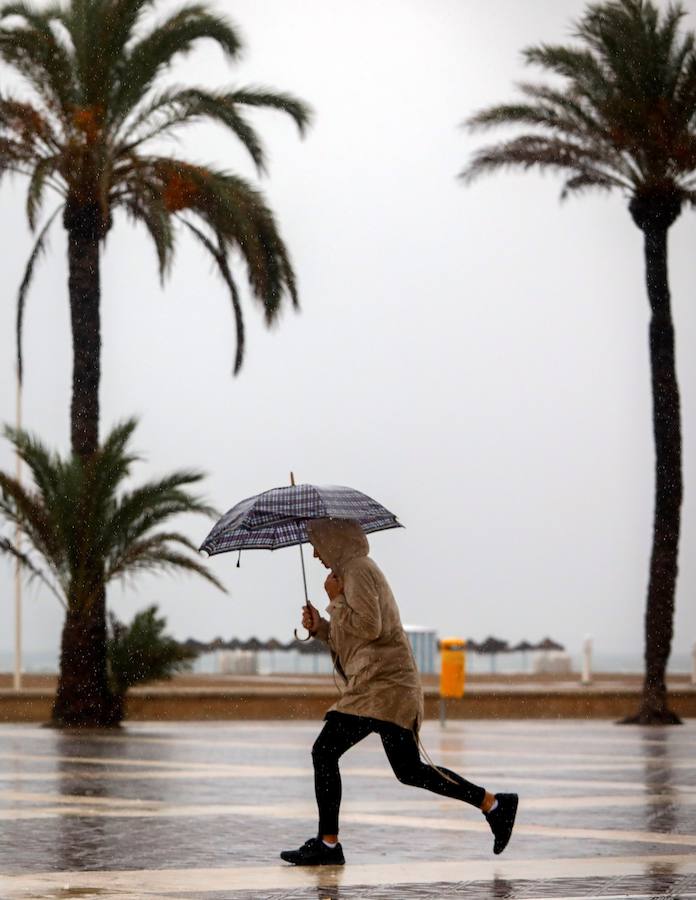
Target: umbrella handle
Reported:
point(304, 582)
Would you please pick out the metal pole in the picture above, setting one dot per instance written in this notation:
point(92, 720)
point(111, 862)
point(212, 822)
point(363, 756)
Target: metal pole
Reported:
point(18, 571)
point(443, 712)
point(304, 573)
point(693, 664)
point(304, 576)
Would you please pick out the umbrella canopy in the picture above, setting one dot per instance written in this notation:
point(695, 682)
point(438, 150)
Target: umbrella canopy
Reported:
point(523, 646)
point(279, 517)
point(252, 644)
point(548, 644)
point(493, 645)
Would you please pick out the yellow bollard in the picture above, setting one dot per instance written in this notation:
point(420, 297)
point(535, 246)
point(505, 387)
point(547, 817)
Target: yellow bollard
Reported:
point(452, 671)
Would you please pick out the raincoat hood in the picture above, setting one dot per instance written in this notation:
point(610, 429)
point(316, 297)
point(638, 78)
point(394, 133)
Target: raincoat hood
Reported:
point(338, 541)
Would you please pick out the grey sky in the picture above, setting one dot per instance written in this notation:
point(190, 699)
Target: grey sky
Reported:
point(475, 358)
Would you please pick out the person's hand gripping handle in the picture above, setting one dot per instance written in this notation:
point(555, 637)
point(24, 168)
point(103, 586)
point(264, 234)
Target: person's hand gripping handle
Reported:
point(310, 614)
point(310, 618)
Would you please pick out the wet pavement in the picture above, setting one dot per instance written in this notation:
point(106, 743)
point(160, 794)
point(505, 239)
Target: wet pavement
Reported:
point(201, 810)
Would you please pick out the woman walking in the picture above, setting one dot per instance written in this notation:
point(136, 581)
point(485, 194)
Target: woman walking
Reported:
point(380, 692)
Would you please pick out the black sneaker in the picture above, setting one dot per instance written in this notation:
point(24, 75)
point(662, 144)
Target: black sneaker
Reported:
point(314, 852)
point(502, 820)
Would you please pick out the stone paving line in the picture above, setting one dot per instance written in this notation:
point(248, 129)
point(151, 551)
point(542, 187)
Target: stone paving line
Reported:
point(272, 878)
point(197, 811)
point(303, 814)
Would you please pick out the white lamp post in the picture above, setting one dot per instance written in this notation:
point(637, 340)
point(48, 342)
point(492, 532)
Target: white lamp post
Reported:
point(586, 677)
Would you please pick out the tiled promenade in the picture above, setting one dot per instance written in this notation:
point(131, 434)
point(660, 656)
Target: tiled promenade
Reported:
point(201, 811)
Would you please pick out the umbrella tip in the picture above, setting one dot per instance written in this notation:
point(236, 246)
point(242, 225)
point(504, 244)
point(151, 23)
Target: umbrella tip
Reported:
point(292, 479)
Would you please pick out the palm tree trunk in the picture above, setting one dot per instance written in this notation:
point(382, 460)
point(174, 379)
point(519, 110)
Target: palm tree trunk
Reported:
point(83, 696)
point(655, 218)
point(83, 224)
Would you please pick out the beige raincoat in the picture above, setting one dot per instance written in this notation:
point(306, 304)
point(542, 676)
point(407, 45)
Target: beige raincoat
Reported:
point(372, 654)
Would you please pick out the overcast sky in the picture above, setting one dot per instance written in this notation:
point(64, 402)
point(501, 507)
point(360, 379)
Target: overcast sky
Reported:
point(474, 358)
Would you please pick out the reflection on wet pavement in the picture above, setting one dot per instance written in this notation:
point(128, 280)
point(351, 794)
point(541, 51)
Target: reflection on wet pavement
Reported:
point(201, 811)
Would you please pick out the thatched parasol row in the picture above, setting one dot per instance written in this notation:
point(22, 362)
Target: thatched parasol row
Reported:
point(254, 643)
point(496, 645)
point(491, 645)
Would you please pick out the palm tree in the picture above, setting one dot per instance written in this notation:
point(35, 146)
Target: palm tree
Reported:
point(620, 114)
point(142, 652)
point(92, 128)
point(83, 530)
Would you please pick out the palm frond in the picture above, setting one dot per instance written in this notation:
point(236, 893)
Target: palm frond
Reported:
point(157, 554)
point(33, 571)
point(83, 21)
point(26, 511)
point(219, 257)
point(29, 126)
point(182, 106)
point(113, 450)
point(237, 214)
point(265, 98)
point(579, 183)
point(176, 36)
point(231, 215)
point(35, 52)
point(46, 468)
point(147, 207)
point(43, 169)
point(562, 116)
point(576, 65)
point(138, 511)
point(185, 106)
point(102, 474)
point(119, 20)
point(532, 151)
point(38, 250)
point(684, 81)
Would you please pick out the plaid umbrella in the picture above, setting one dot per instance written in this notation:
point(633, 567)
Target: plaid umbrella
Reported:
point(278, 518)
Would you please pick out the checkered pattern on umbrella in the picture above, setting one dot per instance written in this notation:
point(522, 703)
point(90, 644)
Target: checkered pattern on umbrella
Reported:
point(278, 518)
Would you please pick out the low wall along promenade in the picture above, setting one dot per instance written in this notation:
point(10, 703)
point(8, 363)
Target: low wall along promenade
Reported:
point(210, 698)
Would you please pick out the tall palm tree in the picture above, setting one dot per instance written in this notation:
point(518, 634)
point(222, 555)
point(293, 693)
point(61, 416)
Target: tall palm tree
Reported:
point(83, 530)
point(620, 114)
point(93, 126)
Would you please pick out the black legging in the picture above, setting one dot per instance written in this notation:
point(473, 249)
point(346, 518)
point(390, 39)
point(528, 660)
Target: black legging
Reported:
point(343, 731)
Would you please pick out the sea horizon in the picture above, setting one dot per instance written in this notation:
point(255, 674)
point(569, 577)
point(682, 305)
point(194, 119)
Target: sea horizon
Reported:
point(278, 662)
